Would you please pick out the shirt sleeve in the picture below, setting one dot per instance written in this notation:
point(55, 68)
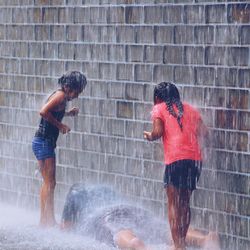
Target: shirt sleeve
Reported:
point(156, 112)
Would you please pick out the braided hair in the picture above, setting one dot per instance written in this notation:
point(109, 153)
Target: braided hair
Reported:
point(74, 80)
point(168, 93)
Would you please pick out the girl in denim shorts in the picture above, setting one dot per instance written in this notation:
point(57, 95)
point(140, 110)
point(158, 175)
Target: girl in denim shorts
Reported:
point(44, 142)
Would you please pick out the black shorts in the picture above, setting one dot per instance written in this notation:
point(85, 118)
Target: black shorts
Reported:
point(183, 174)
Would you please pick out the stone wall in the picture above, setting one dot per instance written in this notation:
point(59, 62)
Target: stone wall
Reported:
point(124, 47)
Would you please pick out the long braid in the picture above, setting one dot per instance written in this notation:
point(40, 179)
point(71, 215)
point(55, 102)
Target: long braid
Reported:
point(170, 108)
point(179, 106)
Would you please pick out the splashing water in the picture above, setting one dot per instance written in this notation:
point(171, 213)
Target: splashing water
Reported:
point(19, 231)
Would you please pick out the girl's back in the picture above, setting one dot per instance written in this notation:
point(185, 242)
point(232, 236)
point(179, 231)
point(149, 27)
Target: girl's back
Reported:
point(179, 143)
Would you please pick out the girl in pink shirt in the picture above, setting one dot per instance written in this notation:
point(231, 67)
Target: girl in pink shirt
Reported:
point(180, 126)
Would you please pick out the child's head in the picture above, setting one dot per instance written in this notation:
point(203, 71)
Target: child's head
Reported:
point(73, 82)
point(166, 92)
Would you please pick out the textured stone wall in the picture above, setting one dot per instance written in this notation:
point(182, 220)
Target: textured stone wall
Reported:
point(124, 48)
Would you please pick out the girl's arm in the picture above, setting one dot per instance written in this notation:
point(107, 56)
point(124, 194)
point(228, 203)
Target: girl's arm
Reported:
point(54, 101)
point(72, 112)
point(157, 130)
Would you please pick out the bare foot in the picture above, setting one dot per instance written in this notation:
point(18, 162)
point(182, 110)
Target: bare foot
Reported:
point(172, 247)
point(212, 242)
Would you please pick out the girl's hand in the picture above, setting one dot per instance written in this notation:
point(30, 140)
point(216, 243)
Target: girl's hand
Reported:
point(73, 112)
point(147, 135)
point(64, 129)
point(157, 131)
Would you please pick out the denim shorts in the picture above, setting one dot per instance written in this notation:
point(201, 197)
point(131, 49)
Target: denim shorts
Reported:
point(183, 174)
point(42, 148)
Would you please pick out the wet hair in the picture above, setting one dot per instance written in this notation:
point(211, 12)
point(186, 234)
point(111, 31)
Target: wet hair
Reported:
point(168, 93)
point(74, 80)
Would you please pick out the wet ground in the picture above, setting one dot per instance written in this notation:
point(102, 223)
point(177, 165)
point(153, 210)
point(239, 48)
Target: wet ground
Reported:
point(19, 231)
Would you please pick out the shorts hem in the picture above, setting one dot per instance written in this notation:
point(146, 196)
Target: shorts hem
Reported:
point(165, 185)
point(45, 157)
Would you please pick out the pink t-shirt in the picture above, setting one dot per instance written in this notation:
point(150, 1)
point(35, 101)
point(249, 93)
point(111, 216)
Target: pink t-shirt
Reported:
point(179, 144)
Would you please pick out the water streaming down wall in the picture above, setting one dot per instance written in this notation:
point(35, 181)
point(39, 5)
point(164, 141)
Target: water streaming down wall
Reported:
point(124, 47)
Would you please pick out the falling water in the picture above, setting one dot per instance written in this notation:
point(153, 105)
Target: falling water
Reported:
point(19, 230)
point(39, 41)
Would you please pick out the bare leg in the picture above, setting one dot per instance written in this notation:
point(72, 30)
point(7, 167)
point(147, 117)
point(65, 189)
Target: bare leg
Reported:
point(126, 239)
point(178, 214)
point(185, 211)
point(47, 193)
point(42, 202)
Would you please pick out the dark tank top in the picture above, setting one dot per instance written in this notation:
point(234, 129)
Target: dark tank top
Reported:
point(47, 130)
